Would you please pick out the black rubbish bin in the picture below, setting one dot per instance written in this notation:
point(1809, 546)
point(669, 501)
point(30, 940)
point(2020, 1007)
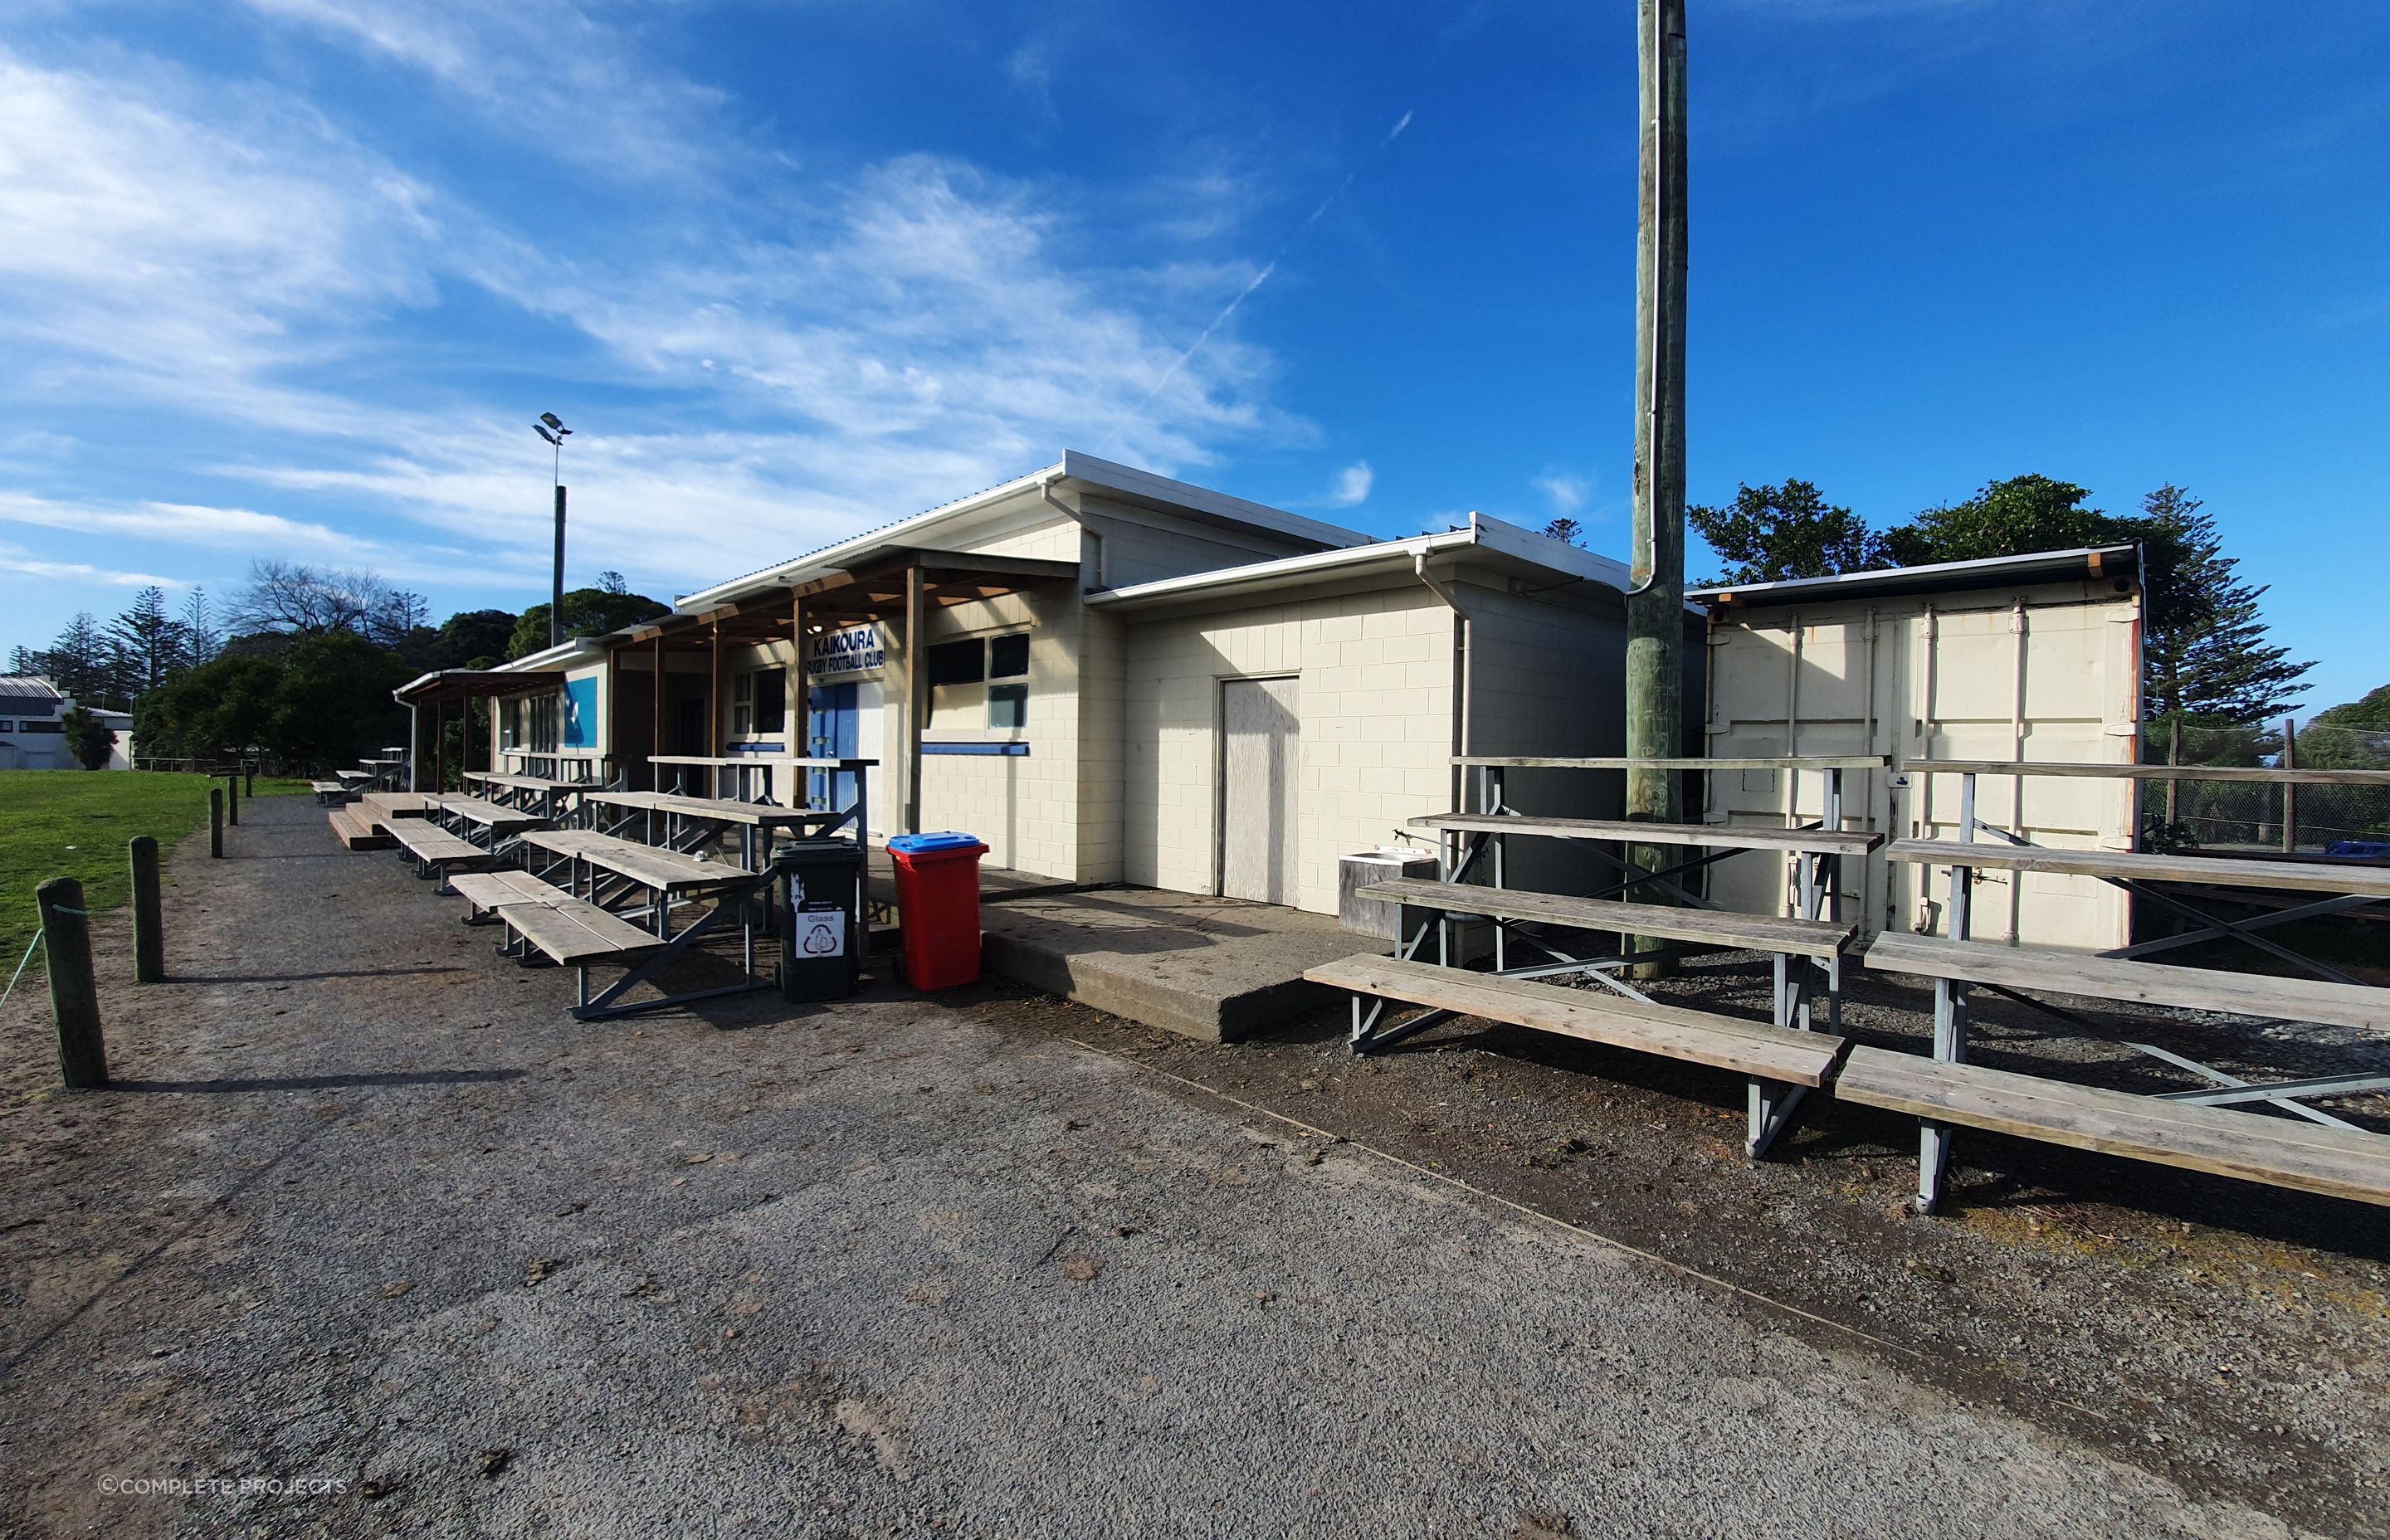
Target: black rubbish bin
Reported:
point(821, 956)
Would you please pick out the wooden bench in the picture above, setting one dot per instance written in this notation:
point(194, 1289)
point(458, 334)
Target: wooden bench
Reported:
point(435, 849)
point(2353, 878)
point(329, 792)
point(1800, 841)
point(1807, 938)
point(2337, 1162)
point(354, 832)
point(2134, 982)
point(574, 934)
point(1770, 1057)
point(484, 893)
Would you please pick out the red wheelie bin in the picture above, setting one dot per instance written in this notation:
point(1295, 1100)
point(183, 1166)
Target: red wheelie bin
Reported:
point(937, 906)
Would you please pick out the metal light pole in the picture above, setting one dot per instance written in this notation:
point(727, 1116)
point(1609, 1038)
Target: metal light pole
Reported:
point(551, 428)
point(1656, 607)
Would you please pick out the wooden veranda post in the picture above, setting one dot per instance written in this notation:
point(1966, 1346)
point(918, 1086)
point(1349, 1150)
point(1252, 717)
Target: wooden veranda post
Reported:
point(655, 775)
point(800, 708)
point(713, 714)
point(916, 695)
point(1655, 604)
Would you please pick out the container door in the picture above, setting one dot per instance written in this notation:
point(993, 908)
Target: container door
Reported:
point(1261, 754)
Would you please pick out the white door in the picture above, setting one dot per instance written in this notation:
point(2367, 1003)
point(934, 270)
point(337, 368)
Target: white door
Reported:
point(1261, 751)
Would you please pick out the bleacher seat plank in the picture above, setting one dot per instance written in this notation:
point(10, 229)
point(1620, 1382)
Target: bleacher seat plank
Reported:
point(428, 842)
point(354, 832)
point(1813, 841)
point(2251, 1146)
point(650, 864)
point(486, 890)
point(1671, 1031)
point(1807, 938)
point(2136, 983)
point(2147, 866)
point(573, 933)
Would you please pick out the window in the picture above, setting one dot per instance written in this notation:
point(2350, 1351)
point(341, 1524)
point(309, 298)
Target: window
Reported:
point(961, 692)
point(759, 703)
point(545, 728)
point(959, 662)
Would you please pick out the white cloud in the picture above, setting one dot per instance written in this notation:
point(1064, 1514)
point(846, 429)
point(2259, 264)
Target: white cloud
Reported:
point(214, 254)
point(1567, 493)
point(16, 559)
point(1353, 485)
point(547, 71)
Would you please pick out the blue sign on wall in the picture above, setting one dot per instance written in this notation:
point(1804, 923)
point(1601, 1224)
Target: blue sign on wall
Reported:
point(581, 713)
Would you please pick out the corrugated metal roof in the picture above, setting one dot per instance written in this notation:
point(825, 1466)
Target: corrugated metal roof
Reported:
point(2088, 562)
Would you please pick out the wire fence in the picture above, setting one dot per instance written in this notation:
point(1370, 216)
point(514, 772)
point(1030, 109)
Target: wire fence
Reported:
point(2228, 815)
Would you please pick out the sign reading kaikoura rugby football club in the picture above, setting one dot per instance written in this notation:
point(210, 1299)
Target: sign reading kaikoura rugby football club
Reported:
point(857, 649)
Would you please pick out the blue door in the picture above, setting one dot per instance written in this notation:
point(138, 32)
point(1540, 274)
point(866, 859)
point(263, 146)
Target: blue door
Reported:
point(829, 734)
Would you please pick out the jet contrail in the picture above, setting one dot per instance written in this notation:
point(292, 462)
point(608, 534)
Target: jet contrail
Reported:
point(1259, 278)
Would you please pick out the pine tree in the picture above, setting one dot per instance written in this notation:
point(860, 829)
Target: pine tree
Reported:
point(2205, 652)
point(79, 661)
point(201, 640)
point(152, 641)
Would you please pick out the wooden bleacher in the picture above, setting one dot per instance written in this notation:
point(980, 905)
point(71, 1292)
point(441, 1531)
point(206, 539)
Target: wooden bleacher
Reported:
point(2145, 867)
point(1754, 1048)
point(1813, 841)
point(434, 850)
point(2278, 1152)
point(1807, 938)
point(2120, 978)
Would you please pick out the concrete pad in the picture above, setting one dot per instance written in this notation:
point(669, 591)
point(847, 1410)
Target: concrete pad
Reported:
point(1213, 969)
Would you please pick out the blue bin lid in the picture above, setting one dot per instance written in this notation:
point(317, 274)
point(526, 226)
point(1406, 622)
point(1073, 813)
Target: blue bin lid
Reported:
point(922, 844)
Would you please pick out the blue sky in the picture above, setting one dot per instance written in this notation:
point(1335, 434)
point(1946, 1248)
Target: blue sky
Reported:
point(291, 278)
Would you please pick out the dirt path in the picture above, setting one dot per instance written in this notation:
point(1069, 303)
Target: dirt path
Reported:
point(369, 1209)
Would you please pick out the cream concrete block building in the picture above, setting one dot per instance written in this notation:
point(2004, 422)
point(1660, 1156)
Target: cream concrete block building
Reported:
point(1111, 676)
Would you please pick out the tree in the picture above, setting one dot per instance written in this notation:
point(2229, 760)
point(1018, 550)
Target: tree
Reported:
point(24, 661)
point(612, 582)
point(2371, 714)
point(295, 599)
point(2011, 517)
point(200, 637)
point(588, 612)
point(1566, 529)
point(475, 638)
point(313, 701)
point(88, 739)
point(2206, 655)
point(1773, 533)
point(79, 662)
point(150, 641)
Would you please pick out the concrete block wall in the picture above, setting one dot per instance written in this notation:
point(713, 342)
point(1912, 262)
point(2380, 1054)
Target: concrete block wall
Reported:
point(1375, 698)
point(1027, 807)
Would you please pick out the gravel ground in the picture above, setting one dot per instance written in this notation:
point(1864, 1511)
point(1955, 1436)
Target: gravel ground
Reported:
point(368, 1208)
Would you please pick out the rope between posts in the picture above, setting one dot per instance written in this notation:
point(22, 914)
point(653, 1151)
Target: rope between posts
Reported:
point(38, 935)
point(21, 966)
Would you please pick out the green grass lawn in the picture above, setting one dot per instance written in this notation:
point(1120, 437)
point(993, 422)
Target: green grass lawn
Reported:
point(77, 823)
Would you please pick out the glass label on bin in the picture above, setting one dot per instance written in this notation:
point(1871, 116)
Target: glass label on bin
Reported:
point(821, 932)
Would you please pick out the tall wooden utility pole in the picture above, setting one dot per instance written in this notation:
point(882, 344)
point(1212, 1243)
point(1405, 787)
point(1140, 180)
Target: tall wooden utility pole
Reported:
point(1656, 607)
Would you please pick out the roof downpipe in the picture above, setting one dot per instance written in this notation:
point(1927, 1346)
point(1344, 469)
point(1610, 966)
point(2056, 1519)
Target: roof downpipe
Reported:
point(1086, 526)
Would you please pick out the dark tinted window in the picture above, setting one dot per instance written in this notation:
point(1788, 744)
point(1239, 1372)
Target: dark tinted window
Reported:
point(959, 662)
point(1007, 657)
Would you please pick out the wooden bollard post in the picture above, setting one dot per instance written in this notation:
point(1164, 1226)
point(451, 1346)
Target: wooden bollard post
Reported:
point(249, 781)
point(232, 799)
point(75, 992)
point(149, 914)
point(215, 821)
